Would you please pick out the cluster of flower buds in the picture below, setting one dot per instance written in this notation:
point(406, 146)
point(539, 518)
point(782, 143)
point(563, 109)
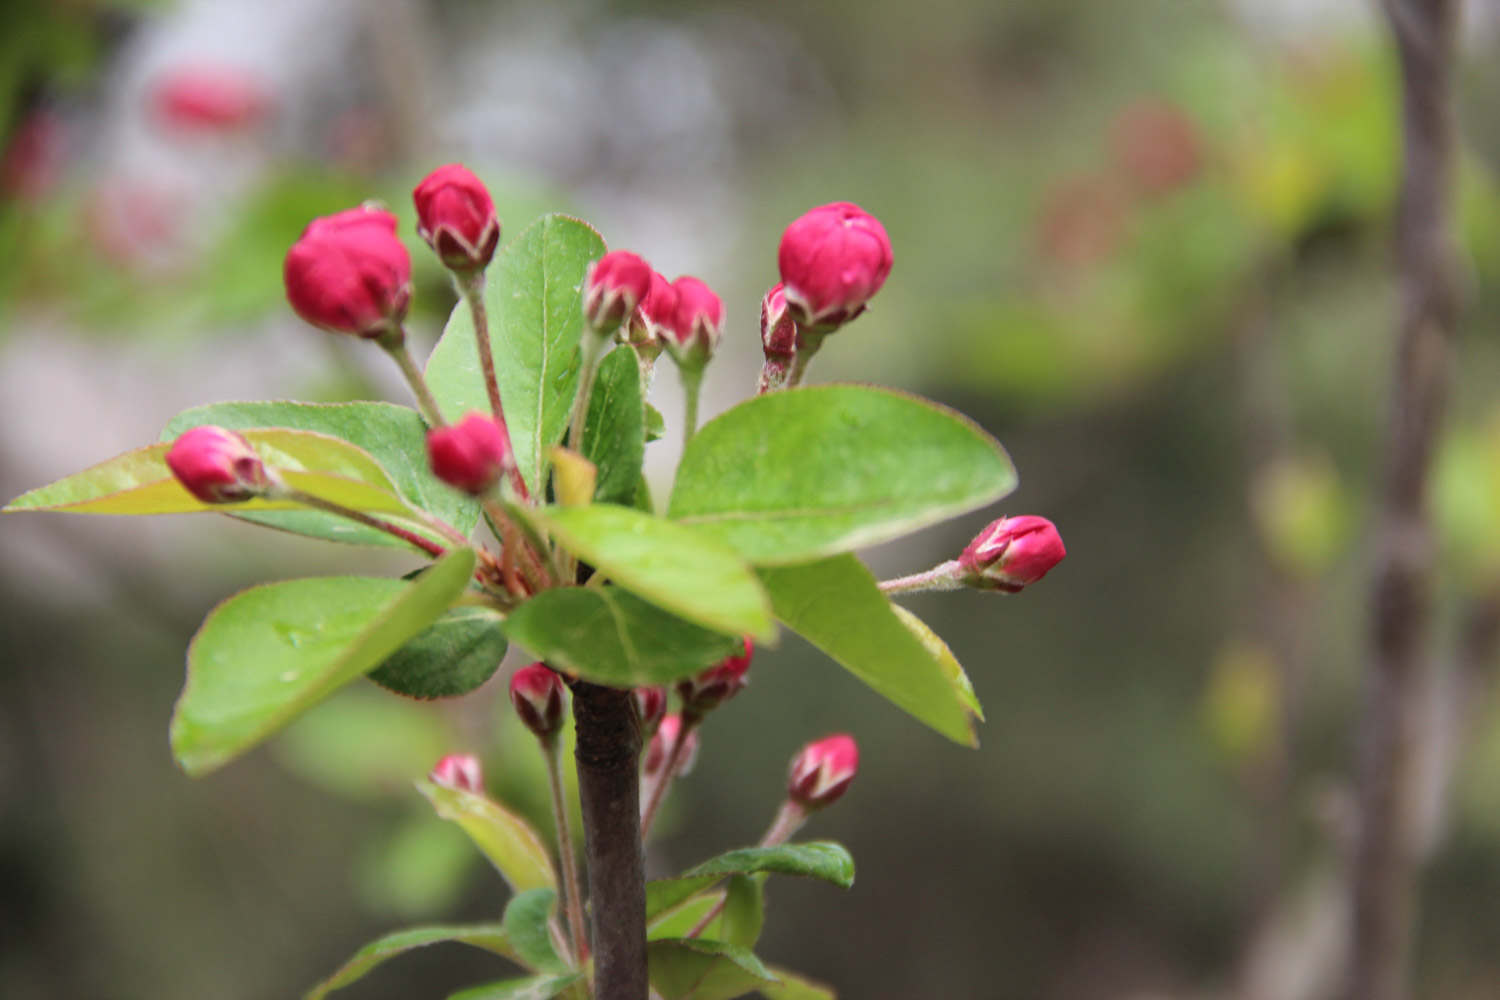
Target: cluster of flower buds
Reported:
point(659, 749)
point(833, 260)
point(350, 273)
point(460, 771)
point(217, 465)
point(1010, 553)
point(456, 217)
point(823, 771)
point(472, 454)
point(536, 693)
point(716, 685)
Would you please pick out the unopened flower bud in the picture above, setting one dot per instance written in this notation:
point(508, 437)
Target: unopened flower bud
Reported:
point(778, 331)
point(823, 771)
point(457, 218)
point(661, 746)
point(460, 771)
point(833, 259)
point(472, 454)
point(650, 706)
point(210, 98)
point(217, 465)
point(1011, 553)
point(349, 273)
point(717, 684)
point(537, 694)
point(615, 284)
point(696, 322)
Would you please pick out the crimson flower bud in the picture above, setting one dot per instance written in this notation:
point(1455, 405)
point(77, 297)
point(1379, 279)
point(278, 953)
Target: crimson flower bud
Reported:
point(210, 98)
point(717, 684)
point(615, 284)
point(1011, 553)
point(778, 331)
point(457, 218)
point(349, 273)
point(661, 746)
point(650, 706)
point(696, 322)
point(537, 694)
point(472, 454)
point(217, 465)
point(460, 771)
point(823, 771)
point(651, 323)
point(833, 259)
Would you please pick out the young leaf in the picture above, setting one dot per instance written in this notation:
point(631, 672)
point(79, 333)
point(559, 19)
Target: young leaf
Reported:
point(794, 987)
point(139, 482)
point(819, 859)
point(614, 433)
point(394, 436)
point(792, 476)
point(610, 636)
point(526, 919)
point(679, 921)
point(835, 604)
point(490, 937)
point(529, 988)
point(744, 912)
point(512, 846)
point(270, 653)
point(939, 651)
point(670, 565)
point(451, 657)
point(692, 969)
point(536, 319)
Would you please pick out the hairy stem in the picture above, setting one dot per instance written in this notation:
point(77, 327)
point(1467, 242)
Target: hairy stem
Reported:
point(944, 576)
point(471, 287)
point(608, 752)
point(394, 344)
point(1393, 730)
point(692, 384)
point(552, 750)
point(592, 349)
point(426, 545)
point(666, 774)
point(809, 342)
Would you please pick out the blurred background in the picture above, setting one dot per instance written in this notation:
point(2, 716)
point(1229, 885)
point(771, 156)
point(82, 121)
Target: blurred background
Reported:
point(1144, 242)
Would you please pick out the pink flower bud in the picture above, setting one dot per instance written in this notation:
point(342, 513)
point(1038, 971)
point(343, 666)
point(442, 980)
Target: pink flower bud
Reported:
point(661, 746)
point(537, 694)
point(457, 218)
point(693, 333)
point(472, 454)
point(833, 259)
point(210, 98)
point(650, 706)
point(217, 465)
point(651, 323)
point(616, 283)
point(348, 273)
point(458, 770)
point(1011, 553)
point(823, 771)
point(717, 684)
point(778, 331)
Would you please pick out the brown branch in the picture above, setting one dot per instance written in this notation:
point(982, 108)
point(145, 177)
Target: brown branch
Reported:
point(608, 755)
point(1392, 729)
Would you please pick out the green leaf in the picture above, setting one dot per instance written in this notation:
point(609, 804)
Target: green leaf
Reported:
point(536, 319)
point(744, 911)
point(963, 689)
point(614, 433)
point(610, 636)
point(835, 604)
point(693, 969)
point(139, 482)
point(512, 846)
point(791, 476)
point(451, 657)
point(394, 436)
point(820, 859)
point(529, 988)
point(678, 921)
point(794, 987)
point(526, 921)
point(490, 937)
point(656, 424)
point(270, 653)
point(672, 566)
